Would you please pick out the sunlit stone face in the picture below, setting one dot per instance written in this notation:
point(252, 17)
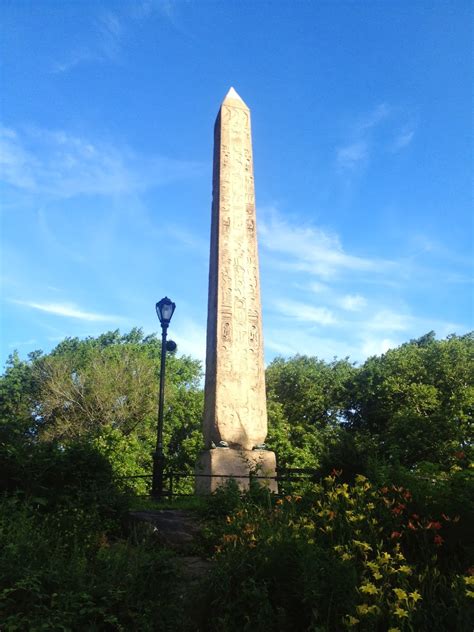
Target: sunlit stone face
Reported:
point(235, 402)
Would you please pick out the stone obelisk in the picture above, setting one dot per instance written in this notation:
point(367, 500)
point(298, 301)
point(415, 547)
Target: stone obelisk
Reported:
point(235, 413)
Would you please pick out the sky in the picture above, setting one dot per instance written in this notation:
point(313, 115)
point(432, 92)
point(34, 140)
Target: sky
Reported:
point(363, 160)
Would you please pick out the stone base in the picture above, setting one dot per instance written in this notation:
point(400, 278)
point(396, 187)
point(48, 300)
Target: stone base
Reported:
point(226, 463)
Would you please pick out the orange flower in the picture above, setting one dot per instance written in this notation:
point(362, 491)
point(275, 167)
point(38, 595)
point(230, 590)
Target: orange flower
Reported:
point(415, 516)
point(411, 525)
point(336, 472)
point(396, 534)
point(438, 540)
point(434, 525)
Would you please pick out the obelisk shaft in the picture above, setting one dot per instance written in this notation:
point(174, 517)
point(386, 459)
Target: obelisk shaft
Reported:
point(235, 401)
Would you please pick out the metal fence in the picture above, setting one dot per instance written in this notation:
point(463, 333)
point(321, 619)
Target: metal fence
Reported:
point(181, 484)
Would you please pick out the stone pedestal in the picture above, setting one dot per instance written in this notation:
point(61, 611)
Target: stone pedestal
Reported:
point(227, 463)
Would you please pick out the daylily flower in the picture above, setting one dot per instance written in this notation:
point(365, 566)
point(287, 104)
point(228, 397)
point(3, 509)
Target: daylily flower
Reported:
point(400, 612)
point(401, 594)
point(415, 595)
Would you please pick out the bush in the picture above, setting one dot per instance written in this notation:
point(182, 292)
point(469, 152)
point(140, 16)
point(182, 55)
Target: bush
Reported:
point(337, 557)
point(48, 582)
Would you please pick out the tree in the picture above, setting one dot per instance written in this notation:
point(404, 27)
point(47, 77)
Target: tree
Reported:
point(417, 400)
point(306, 398)
point(104, 391)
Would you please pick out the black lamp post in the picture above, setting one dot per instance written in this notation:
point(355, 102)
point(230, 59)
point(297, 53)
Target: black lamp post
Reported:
point(164, 310)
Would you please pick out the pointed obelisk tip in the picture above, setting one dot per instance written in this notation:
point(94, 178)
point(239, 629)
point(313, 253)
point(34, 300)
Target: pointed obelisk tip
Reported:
point(234, 96)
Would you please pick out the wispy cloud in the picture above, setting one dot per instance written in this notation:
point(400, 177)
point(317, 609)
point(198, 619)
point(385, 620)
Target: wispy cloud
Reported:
point(356, 323)
point(109, 30)
point(63, 165)
point(377, 346)
point(403, 139)
point(352, 155)
point(305, 313)
point(355, 152)
point(380, 113)
point(353, 302)
point(22, 343)
point(368, 135)
point(103, 45)
point(190, 337)
point(189, 240)
point(317, 287)
point(69, 310)
point(311, 249)
point(388, 321)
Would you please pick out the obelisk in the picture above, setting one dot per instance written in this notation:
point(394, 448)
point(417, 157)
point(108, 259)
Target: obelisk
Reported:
point(235, 412)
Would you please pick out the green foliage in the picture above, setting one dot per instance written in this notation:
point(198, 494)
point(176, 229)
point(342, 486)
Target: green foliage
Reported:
point(418, 400)
point(306, 397)
point(103, 392)
point(338, 557)
point(49, 581)
point(413, 404)
point(77, 423)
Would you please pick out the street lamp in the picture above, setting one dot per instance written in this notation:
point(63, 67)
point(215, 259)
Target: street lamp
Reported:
point(164, 310)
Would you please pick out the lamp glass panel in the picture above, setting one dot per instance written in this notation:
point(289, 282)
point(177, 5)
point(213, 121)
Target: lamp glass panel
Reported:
point(166, 311)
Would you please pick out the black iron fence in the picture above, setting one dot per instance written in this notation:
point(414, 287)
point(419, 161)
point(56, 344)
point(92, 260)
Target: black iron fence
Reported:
point(181, 484)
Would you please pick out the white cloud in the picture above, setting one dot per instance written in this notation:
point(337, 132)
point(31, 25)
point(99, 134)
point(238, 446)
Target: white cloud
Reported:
point(353, 302)
point(375, 117)
point(107, 35)
point(356, 152)
point(69, 310)
point(367, 136)
point(304, 312)
point(104, 44)
point(24, 343)
point(403, 139)
point(311, 249)
point(62, 165)
point(388, 320)
point(353, 154)
point(375, 346)
point(189, 240)
point(190, 337)
point(317, 287)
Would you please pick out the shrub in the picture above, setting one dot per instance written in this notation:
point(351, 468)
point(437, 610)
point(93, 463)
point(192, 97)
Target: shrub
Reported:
point(337, 557)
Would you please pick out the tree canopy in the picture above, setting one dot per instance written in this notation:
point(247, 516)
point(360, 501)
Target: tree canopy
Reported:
point(104, 391)
point(410, 405)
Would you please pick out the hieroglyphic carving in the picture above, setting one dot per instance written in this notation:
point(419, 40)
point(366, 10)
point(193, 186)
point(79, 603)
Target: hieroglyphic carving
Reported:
point(235, 405)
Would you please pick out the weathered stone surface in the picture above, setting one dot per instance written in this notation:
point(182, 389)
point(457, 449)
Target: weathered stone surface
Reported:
point(235, 403)
point(173, 527)
point(225, 464)
point(235, 411)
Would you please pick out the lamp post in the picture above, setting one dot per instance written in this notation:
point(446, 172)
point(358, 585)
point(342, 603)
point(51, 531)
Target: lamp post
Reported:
point(164, 310)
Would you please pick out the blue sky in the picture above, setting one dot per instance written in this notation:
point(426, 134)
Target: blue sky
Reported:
point(363, 139)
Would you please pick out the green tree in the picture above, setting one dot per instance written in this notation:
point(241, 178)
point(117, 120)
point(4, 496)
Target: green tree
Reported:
point(104, 391)
point(306, 398)
point(417, 400)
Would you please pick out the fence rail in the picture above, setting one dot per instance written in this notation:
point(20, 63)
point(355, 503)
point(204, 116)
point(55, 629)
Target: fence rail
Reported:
point(181, 484)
